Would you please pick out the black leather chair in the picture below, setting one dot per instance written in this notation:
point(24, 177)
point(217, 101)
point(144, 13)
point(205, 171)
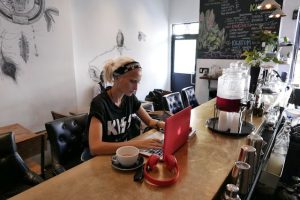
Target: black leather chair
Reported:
point(173, 102)
point(66, 136)
point(189, 97)
point(56, 115)
point(15, 176)
point(295, 98)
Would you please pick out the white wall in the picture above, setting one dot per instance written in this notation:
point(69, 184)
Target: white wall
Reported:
point(58, 78)
point(46, 82)
point(95, 26)
point(184, 11)
point(288, 25)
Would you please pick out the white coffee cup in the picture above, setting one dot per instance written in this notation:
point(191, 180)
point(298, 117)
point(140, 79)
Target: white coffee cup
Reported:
point(127, 155)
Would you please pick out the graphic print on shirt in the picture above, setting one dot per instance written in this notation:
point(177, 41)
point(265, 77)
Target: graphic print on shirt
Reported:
point(118, 126)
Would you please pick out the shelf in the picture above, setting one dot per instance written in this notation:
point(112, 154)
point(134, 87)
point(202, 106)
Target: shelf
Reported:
point(285, 45)
point(208, 78)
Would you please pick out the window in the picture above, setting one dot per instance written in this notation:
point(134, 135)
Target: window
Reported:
point(183, 54)
point(297, 71)
point(182, 29)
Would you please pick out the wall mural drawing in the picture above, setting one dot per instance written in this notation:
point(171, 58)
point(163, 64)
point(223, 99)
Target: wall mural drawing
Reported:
point(24, 13)
point(141, 36)
point(8, 66)
point(24, 47)
point(34, 42)
point(49, 18)
point(94, 68)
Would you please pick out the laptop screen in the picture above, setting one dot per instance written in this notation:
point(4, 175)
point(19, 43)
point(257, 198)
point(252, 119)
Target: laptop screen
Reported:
point(177, 130)
point(176, 133)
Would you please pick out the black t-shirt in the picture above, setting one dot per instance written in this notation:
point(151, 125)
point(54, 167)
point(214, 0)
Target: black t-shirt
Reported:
point(115, 120)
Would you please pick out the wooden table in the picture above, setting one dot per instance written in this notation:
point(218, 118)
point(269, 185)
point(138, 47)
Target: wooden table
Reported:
point(204, 162)
point(28, 142)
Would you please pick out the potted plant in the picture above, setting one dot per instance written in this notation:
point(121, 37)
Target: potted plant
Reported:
point(257, 59)
point(268, 40)
point(254, 61)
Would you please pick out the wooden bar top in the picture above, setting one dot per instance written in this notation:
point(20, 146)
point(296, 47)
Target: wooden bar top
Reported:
point(204, 164)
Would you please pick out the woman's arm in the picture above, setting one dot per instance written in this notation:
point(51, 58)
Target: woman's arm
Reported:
point(145, 117)
point(98, 147)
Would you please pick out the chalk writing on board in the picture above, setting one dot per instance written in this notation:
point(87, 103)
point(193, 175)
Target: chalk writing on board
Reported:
point(228, 27)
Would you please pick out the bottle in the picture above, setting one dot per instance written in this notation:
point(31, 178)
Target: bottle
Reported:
point(247, 78)
point(261, 109)
point(258, 106)
point(231, 192)
point(258, 94)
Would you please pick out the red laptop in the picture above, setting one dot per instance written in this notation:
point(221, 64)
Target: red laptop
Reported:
point(176, 134)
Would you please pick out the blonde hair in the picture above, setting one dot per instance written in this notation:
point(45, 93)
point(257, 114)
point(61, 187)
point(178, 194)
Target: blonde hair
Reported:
point(113, 64)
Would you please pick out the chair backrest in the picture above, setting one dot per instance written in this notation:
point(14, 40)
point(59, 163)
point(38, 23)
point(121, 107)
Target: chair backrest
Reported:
point(189, 97)
point(295, 97)
point(156, 96)
point(9, 172)
point(173, 102)
point(15, 174)
point(66, 139)
point(56, 115)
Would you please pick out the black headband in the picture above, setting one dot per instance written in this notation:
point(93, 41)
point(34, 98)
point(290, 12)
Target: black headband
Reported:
point(126, 68)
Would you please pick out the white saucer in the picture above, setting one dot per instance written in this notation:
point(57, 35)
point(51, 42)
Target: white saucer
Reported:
point(116, 165)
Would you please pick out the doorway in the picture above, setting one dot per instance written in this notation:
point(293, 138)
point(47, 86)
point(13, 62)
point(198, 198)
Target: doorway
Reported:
point(183, 55)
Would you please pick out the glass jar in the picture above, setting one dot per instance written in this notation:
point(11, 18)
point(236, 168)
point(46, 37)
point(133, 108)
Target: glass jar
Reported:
point(231, 86)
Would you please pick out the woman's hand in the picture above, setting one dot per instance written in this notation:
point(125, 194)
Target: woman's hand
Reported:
point(145, 117)
point(152, 143)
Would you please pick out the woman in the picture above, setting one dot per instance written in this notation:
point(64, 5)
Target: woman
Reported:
point(111, 112)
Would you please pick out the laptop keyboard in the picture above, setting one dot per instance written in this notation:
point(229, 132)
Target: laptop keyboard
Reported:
point(158, 152)
point(149, 152)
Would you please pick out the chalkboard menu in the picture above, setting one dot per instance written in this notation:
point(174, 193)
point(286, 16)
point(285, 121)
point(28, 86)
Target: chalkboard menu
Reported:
point(228, 27)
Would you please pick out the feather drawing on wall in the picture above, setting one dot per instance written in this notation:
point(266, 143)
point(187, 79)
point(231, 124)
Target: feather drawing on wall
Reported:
point(141, 36)
point(8, 66)
point(24, 47)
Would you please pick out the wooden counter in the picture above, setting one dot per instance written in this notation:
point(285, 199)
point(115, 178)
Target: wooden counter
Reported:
point(204, 163)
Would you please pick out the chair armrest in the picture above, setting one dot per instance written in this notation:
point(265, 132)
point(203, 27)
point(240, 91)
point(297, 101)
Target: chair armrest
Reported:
point(32, 178)
point(58, 169)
